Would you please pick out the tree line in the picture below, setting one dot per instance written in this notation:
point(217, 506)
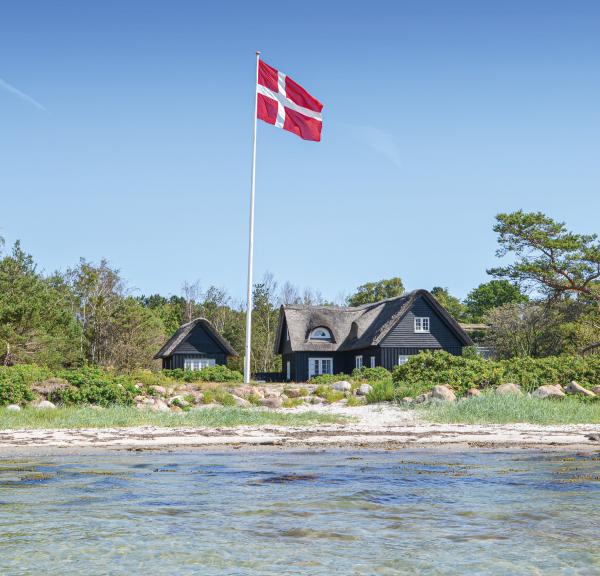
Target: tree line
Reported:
point(545, 302)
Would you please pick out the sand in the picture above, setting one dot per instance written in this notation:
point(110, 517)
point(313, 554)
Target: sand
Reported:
point(373, 426)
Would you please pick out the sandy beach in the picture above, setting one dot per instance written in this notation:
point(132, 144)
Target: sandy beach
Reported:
point(372, 426)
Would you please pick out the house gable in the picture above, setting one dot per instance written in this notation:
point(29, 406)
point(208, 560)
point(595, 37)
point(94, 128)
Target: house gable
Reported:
point(199, 341)
point(440, 334)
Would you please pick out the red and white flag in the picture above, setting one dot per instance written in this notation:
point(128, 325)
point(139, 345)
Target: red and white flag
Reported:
point(284, 103)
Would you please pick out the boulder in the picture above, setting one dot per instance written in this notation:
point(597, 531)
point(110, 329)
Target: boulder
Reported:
point(472, 392)
point(422, 398)
point(160, 390)
point(179, 401)
point(548, 391)
point(509, 388)
point(295, 392)
point(159, 405)
point(13, 407)
point(443, 393)
point(596, 390)
point(242, 402)
point(574, 388)
point(407, 400)
point(245, 391)
point(44, 405)
point(272, 402)
point(342, 386)
point(364, 389)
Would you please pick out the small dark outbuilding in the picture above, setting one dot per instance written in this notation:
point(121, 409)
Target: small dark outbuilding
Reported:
point(194, 346)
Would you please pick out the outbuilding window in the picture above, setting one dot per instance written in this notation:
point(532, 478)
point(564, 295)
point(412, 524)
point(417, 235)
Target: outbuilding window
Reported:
point(320, 333)
point(372, 361)
point(403, 359)
point(358, 362)
point(421, 324)
point(197, 363)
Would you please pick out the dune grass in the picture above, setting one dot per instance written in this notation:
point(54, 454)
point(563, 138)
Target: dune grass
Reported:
point(496, 409)
point(125, 417)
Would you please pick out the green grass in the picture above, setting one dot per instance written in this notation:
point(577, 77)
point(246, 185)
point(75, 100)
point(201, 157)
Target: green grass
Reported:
point(494, 409)
point(123, 417)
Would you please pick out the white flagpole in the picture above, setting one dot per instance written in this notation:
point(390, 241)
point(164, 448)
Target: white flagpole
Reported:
point(249, 303)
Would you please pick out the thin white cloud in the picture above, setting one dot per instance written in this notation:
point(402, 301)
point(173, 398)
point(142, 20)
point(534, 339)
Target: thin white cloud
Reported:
point(381, 141)
point(21, 95)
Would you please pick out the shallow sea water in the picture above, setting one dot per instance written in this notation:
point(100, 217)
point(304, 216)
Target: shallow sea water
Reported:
point(291, 512)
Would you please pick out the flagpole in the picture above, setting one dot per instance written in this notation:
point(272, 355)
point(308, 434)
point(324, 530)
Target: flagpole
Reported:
point(249, 304)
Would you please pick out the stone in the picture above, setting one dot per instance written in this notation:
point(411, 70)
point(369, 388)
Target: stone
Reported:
point(272, 402)
point(443, 393)
point(509, 388)
point(472, 392)
point(44, 405)
point(179, 401)
point(159, 405)
point(50, 386)
point(342, 386)
point(593, 437)
point(422, 398)
point(161, 390)
point(548, 391)
point(295, 392)
point(574, 388)
point(596, 390)
point(13, 408)
point(242, 402)
point(245, 391)
point(408, 400)
point(364, 389)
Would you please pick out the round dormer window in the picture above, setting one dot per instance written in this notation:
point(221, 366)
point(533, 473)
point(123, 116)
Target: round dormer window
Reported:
point(320, 333)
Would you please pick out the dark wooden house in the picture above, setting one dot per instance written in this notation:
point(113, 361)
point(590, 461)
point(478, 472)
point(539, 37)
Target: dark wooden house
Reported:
point(194, 346)
point(330, 339)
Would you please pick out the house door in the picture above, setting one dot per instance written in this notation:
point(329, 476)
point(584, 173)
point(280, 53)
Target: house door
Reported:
point(318, 366)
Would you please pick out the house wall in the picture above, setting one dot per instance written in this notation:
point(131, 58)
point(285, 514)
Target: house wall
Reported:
point(440, 335)
point(343, 362)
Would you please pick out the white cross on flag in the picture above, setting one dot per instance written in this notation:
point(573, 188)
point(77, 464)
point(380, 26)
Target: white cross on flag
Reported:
point(284, 103)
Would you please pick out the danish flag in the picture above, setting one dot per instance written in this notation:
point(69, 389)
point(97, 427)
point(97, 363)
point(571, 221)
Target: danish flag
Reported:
point(284, 103)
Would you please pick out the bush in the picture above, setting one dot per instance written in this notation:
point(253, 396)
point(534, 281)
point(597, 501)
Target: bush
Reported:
point(209, 374)
point(328, 394)
point(16, 381)
point(427, 369)
point(328, 378)
point(95, 386)
point(383, 391)
point(371, 374)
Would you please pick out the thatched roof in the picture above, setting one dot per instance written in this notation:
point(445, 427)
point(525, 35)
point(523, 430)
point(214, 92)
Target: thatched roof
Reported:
point(357, 327)
point(184, 331)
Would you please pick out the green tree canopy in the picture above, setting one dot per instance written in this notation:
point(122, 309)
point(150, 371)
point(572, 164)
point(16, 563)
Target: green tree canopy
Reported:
point(451, 303)
point(490, 295)
point(548, 257)
point(376, 291)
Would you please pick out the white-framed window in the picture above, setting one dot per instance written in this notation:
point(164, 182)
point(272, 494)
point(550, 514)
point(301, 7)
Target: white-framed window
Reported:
point(372, 361)
point(358, 361)
point(318, 366)
point(288, 370)
point(422, 324)
point(320, 333)
point(403, 359)
point(197, 363)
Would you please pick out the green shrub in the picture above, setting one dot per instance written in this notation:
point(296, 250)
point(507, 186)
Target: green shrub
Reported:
point(383, 391)
point(224, 398)
point(328, 393)
point(208, 397)
point(371, 374)
point(355, 401)
point(16, 381)
point(151, 378)
point(209, 374)
point(461, 373)
point(254, 399)
point(95, 386)
point(292, 402)
point(328, 378)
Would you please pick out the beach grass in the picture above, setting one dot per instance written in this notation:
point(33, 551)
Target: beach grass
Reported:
point(126, 417)
point(493, 408)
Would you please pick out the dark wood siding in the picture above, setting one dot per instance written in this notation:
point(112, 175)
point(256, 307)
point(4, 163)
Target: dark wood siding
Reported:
point(390, 355)
point(440, 335)
point(198, 344)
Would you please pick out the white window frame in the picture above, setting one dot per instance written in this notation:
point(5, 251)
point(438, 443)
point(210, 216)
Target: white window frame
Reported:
point(403, 359)
point(315, 366)
point(195, 364)
point(358, 362)
point(422, 325)
point(288, 370)
point(372, 361)
point(313, 336)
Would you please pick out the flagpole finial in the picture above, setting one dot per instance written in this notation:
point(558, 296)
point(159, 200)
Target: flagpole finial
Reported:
point(258, 52)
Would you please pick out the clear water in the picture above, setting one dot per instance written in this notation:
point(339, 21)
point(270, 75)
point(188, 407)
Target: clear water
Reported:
point(321, 513)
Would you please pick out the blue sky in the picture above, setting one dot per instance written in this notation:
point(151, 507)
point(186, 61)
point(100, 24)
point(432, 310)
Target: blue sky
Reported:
point(125, 133)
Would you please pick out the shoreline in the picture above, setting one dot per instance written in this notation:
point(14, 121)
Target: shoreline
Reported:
point(372, 427)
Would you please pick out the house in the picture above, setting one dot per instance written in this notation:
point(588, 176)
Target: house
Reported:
point(330, 339)
point(194, 346)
